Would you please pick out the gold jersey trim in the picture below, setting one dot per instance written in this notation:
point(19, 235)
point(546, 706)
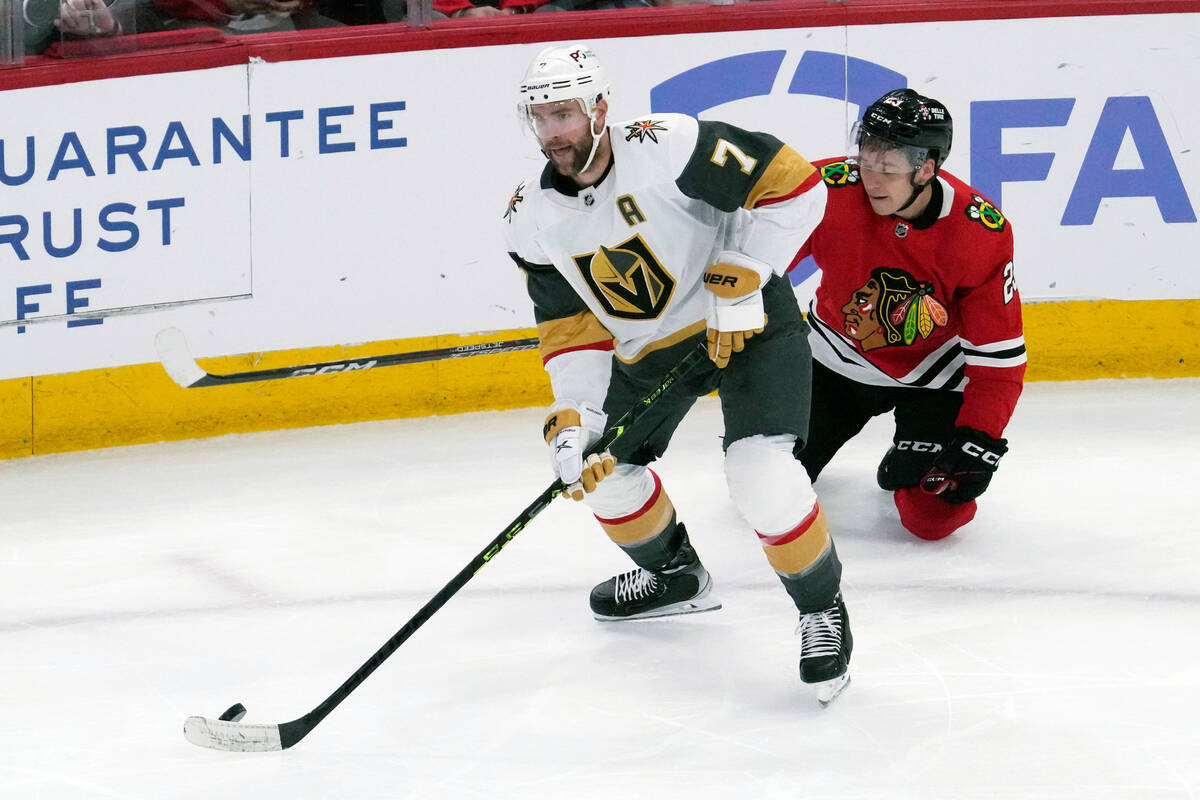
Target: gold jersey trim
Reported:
point(786, 173)
point(667, 341)
point(571, 333)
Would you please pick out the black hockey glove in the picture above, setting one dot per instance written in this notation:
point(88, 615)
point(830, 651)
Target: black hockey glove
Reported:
point(963, 470)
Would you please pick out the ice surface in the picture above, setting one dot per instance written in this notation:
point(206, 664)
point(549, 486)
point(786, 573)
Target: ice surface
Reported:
point(1048, 650)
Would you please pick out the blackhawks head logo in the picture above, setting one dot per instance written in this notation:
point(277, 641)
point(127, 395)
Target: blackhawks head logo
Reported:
point(628, 280)
point(981, 210)
point(892, 308)
point(839, 173)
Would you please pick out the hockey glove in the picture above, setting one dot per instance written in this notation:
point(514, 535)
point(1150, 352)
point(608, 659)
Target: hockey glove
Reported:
point(963, 470)
point(570, 430)
point(736, 312)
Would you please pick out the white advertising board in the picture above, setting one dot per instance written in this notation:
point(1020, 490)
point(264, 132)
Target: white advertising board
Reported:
point(365, 201)
point(117, 195)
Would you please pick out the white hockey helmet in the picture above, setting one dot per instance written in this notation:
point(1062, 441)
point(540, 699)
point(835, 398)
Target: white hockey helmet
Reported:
point(565, 72)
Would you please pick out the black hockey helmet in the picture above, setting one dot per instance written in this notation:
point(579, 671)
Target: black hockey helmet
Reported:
point(918, 124)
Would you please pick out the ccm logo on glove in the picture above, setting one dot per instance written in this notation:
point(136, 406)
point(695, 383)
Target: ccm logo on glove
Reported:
point(986, 456)
point(964, 469)
point(918, 447)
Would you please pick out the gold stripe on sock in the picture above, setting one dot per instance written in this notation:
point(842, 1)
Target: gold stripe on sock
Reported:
point(800, 548)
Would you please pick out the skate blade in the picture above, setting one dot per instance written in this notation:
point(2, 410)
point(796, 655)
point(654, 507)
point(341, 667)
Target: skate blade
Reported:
point(694, 606)
point(828, 691)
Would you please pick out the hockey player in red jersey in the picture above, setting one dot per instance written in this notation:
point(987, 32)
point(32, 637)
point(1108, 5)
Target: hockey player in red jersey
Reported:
point(917, 313)
point(639, 241)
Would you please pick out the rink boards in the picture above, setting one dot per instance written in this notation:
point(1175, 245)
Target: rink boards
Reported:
point(280, 200)
point(139, 404)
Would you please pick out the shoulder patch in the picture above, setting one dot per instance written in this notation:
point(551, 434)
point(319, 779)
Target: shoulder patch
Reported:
point(643, 130)
point(982, 211)
point(516, 198)
point(839, 174)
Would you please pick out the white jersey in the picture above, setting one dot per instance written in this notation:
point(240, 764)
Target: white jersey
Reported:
point(619, 265)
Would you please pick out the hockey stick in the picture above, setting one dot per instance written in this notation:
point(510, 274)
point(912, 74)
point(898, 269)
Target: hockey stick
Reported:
point(227, 733)
point(183, 369)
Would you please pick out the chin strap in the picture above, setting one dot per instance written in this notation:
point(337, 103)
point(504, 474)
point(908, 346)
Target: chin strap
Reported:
point(596, 141)
point(916, 192)
point(917, 188)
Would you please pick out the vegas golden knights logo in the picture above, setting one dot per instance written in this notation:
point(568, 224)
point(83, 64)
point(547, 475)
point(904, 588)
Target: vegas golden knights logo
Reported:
point(628, 280)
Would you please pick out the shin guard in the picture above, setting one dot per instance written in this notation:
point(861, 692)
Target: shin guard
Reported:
point(648, 534)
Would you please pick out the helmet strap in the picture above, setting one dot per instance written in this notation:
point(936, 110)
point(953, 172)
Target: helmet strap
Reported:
point(917, 188)
point(596, 137)
point(916, 192)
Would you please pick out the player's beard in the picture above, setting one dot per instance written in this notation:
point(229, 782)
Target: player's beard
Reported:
point(572, 162)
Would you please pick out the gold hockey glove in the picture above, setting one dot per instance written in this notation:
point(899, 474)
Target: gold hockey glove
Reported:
point(736, 312)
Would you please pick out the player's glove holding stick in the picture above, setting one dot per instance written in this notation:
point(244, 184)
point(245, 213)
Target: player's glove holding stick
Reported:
point(736, 312)
point(964, 469)
point(570, 430)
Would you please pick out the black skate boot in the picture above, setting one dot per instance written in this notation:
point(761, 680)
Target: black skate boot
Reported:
point(825, 646)
point(680, 587)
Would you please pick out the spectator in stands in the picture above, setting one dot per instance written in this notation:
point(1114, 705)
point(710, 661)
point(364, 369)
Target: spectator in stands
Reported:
point(592, 5)
point(46, 21)
point(244, 16)
point(458, 9)
point(464, 8)
point(489, 8)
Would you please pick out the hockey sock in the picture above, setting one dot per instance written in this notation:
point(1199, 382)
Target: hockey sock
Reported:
point(649, 534)
point(805, 561)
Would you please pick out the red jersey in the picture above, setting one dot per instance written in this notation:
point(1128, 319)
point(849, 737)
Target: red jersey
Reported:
point(929, 303)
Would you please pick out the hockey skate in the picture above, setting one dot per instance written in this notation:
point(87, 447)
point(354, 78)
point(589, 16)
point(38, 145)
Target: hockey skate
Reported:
point(825, 646)
point(680, 587)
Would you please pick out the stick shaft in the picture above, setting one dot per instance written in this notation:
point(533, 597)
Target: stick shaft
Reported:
point(359, 364)
point(292, 732)
point(225, 734)
point(182, 367)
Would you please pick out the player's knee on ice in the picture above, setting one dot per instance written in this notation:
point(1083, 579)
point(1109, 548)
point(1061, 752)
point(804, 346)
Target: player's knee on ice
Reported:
point(928, 516)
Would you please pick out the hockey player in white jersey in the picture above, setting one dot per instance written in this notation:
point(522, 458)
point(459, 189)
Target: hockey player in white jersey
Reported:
point(638, 240)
